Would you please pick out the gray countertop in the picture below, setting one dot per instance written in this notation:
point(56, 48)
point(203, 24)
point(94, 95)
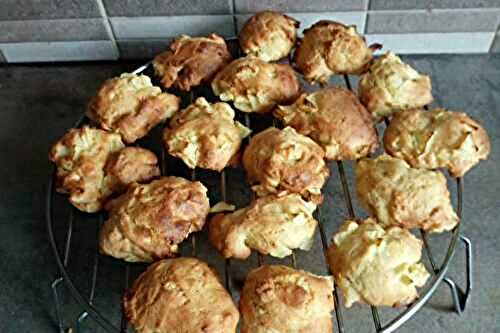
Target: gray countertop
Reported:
point(39, 102)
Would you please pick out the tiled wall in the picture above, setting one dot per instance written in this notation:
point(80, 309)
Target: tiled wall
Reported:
point(66, 30)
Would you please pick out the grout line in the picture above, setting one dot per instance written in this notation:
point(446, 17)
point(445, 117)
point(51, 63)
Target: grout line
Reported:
point(367, 7)
point(432, 10)
point(365, 25)
point(496, 36)
point(235, 24)
point(109, 27)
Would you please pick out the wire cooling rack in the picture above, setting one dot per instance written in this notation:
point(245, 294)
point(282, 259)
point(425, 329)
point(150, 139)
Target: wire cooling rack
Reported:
point(103, 319)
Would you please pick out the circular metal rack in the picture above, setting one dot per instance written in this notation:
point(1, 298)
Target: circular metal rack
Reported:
point(459, 296)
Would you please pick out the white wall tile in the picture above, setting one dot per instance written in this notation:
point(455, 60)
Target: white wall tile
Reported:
point(437, 20)
point(349, 18)
point(59, 51)
point(433, 43)
point(171, 26)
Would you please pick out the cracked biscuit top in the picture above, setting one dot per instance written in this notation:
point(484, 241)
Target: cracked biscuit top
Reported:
point(268, 35)
point(205, 135)
point(391, 86)
point(131, 106)
point(283, 160)
point(437, 138)
point(254, 85)
point(397, 194)
point(191, 61)
point(182, 295)
point(376, 266)
point(335, 119)
point(329, 48)
point(274, 225)
point(149, 221)
point(92, 164)
point(277, 298)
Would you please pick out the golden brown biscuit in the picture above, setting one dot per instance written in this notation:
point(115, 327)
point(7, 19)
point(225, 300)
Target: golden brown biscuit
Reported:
point(268, 35)
point(336, 120)
point(182, 295)
point(191, 61)
point(255, 85)
point(205, 135)
point(391, 85)
point(399, 195)
point(437, 139)
point(149, 221)
point(131, 106)
point(284, 160)
point(280, 299)
point(376, 266)
point(275, 225)
point(92, 164)
point(330, 48)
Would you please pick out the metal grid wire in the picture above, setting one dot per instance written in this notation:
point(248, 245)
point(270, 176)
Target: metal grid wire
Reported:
point(459, 296)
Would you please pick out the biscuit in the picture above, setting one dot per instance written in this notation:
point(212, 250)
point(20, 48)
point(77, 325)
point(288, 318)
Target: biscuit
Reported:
point(180, 295)
point(254, 85)
point(280, 299)
point(397, 194)
point(92, 164)
point(191, 61)
point(274, 225)
point(149, 221)
point(329, 48)
point(335, 119)
point(391, 85)
point(131, 106)
point(283, 160)
point(205, 135)
point(437, 138)
point(268, 35)
point(376, 266)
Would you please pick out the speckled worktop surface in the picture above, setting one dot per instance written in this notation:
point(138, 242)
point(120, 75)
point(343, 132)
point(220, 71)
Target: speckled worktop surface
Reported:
point(39, 102)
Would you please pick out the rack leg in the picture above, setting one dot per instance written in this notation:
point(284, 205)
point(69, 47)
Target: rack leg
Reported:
point(79, 321)
point(55, 284)
point(84, 314)
point(460, 297)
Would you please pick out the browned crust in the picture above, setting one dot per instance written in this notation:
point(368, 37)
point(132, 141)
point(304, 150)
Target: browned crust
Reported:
point(92, 164)
point(330, 48)
point(277, 160)
point(191, 61)
point(376, 266)
point(205, 135)
point(403, 196)
point(132, 164)
point(391, 86)
point(256, 86)
point(268, 35)
point(180, 295)
point(131, 109)
point(150, 220)
point(273, 225)
point(336, 120)
point(280, 299)
point(446, 139)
